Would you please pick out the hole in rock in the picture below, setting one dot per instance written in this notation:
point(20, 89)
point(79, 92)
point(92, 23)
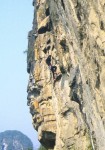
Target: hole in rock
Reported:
point(64, 45)
point(46, 49)
point(62, 69)
point(48, 42)
point(101, 25)
point(48, 139)
point(58, 77)
point(43, 29)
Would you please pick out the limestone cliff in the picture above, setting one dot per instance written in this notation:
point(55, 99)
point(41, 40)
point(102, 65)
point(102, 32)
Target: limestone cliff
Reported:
point(68, 105)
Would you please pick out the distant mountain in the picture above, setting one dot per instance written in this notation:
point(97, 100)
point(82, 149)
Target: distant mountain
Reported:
point(14, 140)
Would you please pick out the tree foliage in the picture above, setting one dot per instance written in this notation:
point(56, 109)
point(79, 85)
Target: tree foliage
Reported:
point(15, 140)
point(42, 148)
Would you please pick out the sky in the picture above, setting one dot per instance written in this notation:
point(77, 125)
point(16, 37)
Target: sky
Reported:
point(16, 18)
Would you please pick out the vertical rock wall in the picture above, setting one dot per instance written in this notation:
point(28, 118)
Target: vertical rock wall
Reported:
point(68, 108)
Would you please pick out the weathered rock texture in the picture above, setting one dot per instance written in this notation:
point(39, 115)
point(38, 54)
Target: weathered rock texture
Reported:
point(69, 113)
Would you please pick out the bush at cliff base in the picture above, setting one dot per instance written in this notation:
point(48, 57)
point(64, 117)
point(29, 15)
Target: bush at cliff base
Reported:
point(42, 148)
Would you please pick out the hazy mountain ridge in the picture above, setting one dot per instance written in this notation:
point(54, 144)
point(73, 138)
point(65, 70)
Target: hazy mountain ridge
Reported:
point(14, 140)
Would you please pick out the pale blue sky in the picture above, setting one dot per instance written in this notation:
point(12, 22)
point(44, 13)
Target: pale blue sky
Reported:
point(16, 18)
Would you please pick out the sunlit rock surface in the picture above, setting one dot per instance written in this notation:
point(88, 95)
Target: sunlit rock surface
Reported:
point(69, 111)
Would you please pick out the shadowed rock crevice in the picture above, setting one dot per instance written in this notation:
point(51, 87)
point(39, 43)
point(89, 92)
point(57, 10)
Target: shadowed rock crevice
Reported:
point(44, 29)
point(47, 12)
point(48, 139)
point(62, 2)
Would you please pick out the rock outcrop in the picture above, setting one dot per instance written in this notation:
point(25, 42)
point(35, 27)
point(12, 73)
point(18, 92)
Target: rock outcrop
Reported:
point(68, 105)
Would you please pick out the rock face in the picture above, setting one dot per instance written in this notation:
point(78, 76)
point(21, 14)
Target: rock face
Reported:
point(68, 106)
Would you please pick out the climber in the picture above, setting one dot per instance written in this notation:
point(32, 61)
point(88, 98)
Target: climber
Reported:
point(53, 69)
